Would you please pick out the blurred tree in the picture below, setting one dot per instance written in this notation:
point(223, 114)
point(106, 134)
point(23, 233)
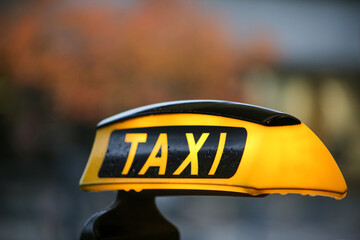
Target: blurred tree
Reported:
point(96, 59)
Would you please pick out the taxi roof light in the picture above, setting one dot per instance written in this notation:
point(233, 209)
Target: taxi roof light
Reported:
point(210, 147)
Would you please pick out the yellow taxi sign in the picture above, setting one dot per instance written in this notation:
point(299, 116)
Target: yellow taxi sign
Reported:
point(174, 152)
point(210, 146)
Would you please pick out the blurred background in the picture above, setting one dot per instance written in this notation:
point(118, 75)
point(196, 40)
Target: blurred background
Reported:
point(65, 65)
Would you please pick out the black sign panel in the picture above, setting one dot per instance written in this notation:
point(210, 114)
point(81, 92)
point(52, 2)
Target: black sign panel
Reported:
point(174, 152)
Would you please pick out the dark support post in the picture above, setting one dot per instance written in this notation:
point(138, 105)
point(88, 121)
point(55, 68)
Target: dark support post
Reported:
point(132, 216)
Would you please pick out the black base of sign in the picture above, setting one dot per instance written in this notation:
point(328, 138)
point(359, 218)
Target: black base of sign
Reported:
point(133, 216)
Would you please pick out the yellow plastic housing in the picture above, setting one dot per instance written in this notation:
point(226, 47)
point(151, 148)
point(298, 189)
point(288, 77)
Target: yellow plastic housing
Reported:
point(276, 159)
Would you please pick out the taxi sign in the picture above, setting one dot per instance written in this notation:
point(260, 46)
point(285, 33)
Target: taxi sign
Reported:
point(174, 152)
point(214, 147)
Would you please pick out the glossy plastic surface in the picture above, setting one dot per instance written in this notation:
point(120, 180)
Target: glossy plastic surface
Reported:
point(257, 160)
point(247, 112)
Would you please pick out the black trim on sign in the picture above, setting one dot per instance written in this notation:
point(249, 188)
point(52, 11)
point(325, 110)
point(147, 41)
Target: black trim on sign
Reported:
point(250, 113)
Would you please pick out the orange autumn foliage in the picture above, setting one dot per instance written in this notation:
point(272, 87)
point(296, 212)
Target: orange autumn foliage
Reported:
point(94, 60)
